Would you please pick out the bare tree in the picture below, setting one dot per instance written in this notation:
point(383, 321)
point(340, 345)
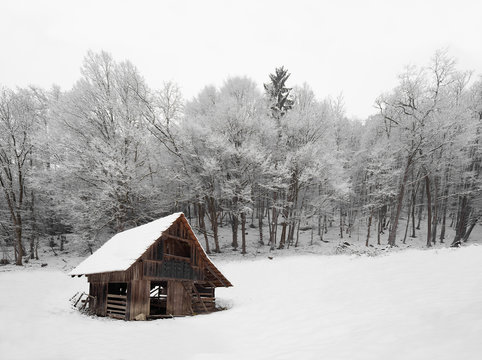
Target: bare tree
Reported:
point(20, 114)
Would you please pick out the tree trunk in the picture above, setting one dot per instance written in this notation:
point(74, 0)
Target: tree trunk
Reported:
point(298, 232)
point(282, 240)
point(420, 208)
point(34, 226)
point(414, 201)
point(369, 225)
point(341, 223)
point(442, 229)
point(36, 247)
point(292, 225)
point(32, 246)
point(435, 211)
point(412, 214)
point(462, 220)
point(319, 225)
point(260, 221)
point(234, 226)
point(243, 233)
point(202, 226)
point(293, 208)
point(393, 231)
point(18, 235)
point(213, 218)
point(471, 227)
point(383, 218)
point(379, 227)
point(444, 219)
point(408, 223)
point(274, 223)
point(429, 211)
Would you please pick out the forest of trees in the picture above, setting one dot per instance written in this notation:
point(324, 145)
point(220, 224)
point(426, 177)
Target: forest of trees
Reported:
point(112, 153)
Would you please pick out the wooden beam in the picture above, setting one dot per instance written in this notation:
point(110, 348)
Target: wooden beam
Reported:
point(116, 296)
point(177, 257)
point(112, 306)
point(177, 238)
point(217, 277)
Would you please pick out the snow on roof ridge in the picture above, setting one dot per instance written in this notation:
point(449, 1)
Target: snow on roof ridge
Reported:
point(124, 248)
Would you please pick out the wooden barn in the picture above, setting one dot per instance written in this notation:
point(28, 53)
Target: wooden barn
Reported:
point(152, 271)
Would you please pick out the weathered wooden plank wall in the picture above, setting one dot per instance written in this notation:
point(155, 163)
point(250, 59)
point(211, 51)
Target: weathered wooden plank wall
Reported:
point(179, 298)
point(138, 298)
point(133, 273)
point(99, 290)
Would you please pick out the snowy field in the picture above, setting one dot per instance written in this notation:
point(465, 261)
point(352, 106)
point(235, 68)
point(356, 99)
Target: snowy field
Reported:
point(413, 304)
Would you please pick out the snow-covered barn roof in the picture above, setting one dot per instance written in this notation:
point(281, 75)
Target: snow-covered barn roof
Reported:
point(125, 248)
point(122, 250)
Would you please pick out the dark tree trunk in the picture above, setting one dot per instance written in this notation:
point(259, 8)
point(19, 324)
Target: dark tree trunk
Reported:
point(393, 231)
point(383, 217)
point(408, 222)
point(435, 211)
point(462, 220)
point(234, 226)
point(213, 218)
point(34, 235)
point(319, 225)
point(429, 211)
point(18, 235)
point(369, 226)
point(414, 201)
point(298, 232)
point(243, 234)
point(444, 214)
point(282, 240)
point(32, 246)
point(260, 221)
point(471, 227)
point(341, 223)
point(61, 239)
point(442, 228)
point(274, 223)
point(420, 208)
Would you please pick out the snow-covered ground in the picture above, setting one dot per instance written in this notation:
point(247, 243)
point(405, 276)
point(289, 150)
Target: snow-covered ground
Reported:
point(403, 305)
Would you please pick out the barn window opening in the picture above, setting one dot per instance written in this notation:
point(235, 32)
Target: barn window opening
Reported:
point(178, 248)
point(117, 288)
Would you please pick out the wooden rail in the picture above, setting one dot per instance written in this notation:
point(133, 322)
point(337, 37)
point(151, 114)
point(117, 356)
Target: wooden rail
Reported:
point(177, 257)
point(177, 238)
point(116, 306)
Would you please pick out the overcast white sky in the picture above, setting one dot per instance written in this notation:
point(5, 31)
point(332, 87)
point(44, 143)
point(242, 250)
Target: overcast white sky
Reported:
point(352, 47)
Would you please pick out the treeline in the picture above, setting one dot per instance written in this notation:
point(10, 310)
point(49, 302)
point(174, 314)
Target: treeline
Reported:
point(112, 153)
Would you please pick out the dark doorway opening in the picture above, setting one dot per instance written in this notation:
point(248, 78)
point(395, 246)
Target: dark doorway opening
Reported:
point(158, 298)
